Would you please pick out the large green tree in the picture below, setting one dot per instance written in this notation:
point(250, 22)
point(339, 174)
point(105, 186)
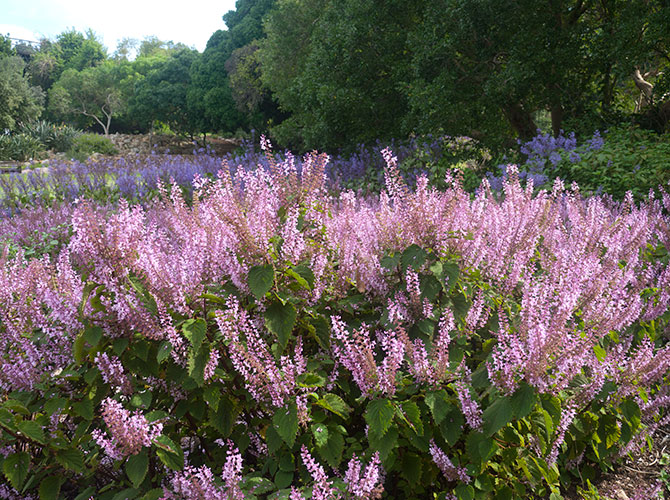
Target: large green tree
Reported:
point(20, 102)
point(211, 92)
point(162, 94)
point(92, 95)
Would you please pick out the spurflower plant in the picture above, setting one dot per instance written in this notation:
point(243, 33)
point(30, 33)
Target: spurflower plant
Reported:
point(264, 338)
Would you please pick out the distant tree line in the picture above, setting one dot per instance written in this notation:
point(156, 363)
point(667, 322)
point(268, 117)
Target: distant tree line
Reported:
point(329, 74)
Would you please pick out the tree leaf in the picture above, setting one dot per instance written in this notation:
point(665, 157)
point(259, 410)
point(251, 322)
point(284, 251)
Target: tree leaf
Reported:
point(137, 467)
point(260, 280)
point(285, 422)
point(15, 468)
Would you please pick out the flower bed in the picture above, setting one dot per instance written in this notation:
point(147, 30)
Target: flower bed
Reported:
point(269, 339)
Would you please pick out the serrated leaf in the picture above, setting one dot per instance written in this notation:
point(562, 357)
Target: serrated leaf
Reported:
point(451, 272)
point(50, 488)
point(164, 350)
point(496, 416)
point(384, 444)
point(414, 256)
point(137, 467)
point(280, 320)
point(260, 280)
point(411, 468)
point(285, 422)
point(523, 400)
point(379, 416)
point(32, 430)
point(197, 362)
point(439, 405)
point(334, 404)
point(311, 379)
point(256, 485)
point(412, 415)
point(332, 451)
point(306, 272)
point(72, 459)
point(320, 433)
point(451, 427)
point(430, 287)
point(169, 453)
point(15, 468)
point(84, 409)
point(465, 492)
point(195, 330)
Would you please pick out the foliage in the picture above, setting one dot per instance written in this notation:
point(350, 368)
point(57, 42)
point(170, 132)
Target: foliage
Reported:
point(162, 94)
point(622, 160)
point(421, 342)
point(93, 94)
point(19, 101)
point(19, 147)
point(85, 145)
point(57, 137)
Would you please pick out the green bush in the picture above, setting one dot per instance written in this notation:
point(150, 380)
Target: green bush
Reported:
point(19, 147)
point(57, 137)
point(630, 160)
point(87, 144)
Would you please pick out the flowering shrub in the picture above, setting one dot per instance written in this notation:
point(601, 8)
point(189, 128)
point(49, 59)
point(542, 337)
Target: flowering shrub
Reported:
point(272, 341)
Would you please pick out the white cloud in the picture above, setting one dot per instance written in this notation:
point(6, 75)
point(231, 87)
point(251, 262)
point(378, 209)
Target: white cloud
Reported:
point(191, 23)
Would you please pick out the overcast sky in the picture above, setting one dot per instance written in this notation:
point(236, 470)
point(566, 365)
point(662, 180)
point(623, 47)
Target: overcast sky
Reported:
point(191, 22)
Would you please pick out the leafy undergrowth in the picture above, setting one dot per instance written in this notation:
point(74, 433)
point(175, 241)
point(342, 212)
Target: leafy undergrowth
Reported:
point(269, 340)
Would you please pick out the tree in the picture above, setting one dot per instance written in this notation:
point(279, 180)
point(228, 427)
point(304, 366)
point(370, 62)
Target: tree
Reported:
point(336, 67)
point(20, 102)
point(210, 91)
point(162, 94)
point(93, 94)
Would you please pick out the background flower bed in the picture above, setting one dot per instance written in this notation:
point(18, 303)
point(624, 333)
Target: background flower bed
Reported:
point(470, 347)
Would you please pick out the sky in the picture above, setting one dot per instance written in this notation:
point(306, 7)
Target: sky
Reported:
point(191, 22)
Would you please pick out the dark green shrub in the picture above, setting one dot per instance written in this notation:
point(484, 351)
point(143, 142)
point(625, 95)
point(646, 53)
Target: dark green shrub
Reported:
point(19, 147)
point(87, 144)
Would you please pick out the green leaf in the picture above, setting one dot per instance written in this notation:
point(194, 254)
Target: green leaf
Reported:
point(411, 468)
point(320, 433)
point(523, 400)
point(465, 492)
point(379, 416)
point(32, 430)
point(384, 444)
point(197, 362)
point(280, 320)
point(451, 271)
point(169, 453)
point(50, 488)
point(412, 414)
point(430, 286)
point(164, 350)
point(414, 256)
point(256, 485)
point(16, 467)
point(334, 404)
point(496, 416)
point(332, 452)
point(84, 409)
point(147, 299)
point(72, 459)
point(137, 467)
point(451, 427)
point(260, 280)
point(285, 422)
point(439, 405)
point(195, 330)
point(310, 379)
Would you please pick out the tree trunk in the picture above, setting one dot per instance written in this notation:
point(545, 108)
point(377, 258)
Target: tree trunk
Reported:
point(520, 120)
point(556, 119)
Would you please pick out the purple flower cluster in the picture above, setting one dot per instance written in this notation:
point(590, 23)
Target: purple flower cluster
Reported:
point(129, 432)
point(450, 471)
